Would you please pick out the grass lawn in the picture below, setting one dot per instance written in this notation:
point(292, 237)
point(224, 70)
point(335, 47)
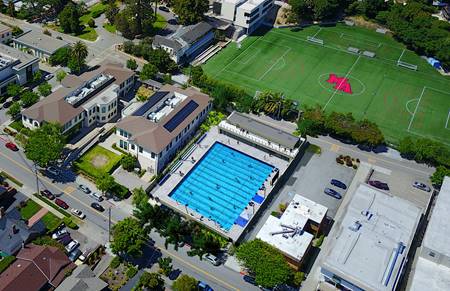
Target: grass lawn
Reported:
point(110, 27)
point(30, 209)
point(97, 161)
point(160, 22)
point(51, 221)
point(401, 101)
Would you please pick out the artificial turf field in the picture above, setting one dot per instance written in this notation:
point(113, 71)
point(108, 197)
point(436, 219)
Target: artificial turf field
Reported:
point(400, 100)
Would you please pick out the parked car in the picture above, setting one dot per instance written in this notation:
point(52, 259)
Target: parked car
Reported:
point(72, 246)
point(11, 146)
point(52, 170)
point(421, 186)
point(249, 279)
point(97, 206)
point(84, 188)
point(379, 185)
point(65, 239)
point(74, 255)
point(97, 197)
point(48, 77)
point(78, 213)
point(203, 286)
point(61, 203)
point(212, 259)
point(164, 8)
point(338, 183)
point(47, 194)
point(7, 104)
point(332, 193)
point(12, 190)
point(16, 98)
point(59, 233)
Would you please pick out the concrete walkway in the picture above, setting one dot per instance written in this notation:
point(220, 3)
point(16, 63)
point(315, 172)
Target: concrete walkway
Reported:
point(29, 193)
point(37, 216)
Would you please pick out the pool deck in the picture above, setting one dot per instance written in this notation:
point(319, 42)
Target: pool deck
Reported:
point(162, 192)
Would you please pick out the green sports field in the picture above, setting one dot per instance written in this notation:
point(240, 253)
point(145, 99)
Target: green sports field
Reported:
point(400, 100)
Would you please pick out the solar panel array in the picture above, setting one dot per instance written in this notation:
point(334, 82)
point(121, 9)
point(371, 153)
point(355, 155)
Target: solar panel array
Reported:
point(180, 116)
point(152, 101)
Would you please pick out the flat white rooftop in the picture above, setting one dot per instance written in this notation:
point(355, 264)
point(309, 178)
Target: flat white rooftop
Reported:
point(430, 276)
point(286, 233)
point(370, 247)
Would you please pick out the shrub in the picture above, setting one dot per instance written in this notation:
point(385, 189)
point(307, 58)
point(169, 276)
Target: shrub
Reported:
point(69, 223)
point(115, 262)
point(131, 272)
point(282, 207)
point(275, 213)
point(47, 32)
point(5, 262)
point(299, 277)
point(91, 23)
point(128, 162)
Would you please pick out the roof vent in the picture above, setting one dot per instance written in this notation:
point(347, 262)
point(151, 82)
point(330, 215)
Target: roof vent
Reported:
point(356, 226)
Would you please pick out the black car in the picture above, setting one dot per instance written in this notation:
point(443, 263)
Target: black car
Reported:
point(48, 194)
point(338, 183)
point(97, 206)
point(249, 279)
point(164, 8)
point(379, 185)
point(16, 98)
point(73, 255)
point(7, 104)
point(332, 193)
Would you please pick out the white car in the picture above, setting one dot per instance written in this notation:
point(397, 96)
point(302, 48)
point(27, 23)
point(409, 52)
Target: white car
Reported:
point(72, 246)
point(78, 213)
point(59, 233)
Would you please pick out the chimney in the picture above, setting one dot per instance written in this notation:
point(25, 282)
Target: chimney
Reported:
point(2, 212)
point(14, 229)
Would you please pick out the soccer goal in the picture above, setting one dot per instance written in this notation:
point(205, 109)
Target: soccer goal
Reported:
point(407, 65)
point(315, 40)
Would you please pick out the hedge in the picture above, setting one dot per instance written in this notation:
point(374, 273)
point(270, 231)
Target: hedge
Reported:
point(5, 262)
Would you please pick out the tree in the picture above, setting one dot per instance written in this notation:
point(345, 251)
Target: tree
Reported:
point(165, 265)
point(161, 60)
point(60, 75)
point(185, 283)
point(438, 176)
point(69, 18)
point(312, 121)
point(111, 12)
point(13, 89)
point(37, 76)
point(190, 11)
point(11, 9)
point(266, 262)
point(135, 19)
point(78, 57)
point(45, 89)
point(45, 144)
point(367, 132)
point(149, 71)
point(105, 182)
point(60, 57)
point(91, 23)
point(132, 64)
point(139, 197)
point(152, 281)
point(14, 109)
point(129, 162)
point(28, 98)
point(128, 238)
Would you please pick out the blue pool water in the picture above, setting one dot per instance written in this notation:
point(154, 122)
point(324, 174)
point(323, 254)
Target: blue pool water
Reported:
point(222, 184)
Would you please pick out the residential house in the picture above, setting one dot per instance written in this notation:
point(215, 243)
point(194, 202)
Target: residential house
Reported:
point(14, 232)
point(187, 42)
point(82, 278)
point(294, 231)
point(16, 67)
point(38, 44)
point(162, 125)
point(5, 33)
point(36, 268)
point(83, 100)
point(246, 14)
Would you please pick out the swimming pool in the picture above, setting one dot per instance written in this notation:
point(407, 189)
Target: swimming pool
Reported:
point(222, 184)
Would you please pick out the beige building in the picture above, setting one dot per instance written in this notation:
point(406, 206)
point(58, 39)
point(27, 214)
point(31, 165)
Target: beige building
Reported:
point(5, 33)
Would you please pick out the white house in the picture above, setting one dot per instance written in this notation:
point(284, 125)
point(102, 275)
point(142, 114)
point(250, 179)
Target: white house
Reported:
point(5, 33)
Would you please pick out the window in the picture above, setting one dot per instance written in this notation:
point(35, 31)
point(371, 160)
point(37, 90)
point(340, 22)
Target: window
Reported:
point(103, 118)
point(153, 155)
point(132, 147)
point(432, 254)
point(103, 109)
point(141, 149)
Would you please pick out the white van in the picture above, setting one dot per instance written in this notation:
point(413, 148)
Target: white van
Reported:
point(96, 196)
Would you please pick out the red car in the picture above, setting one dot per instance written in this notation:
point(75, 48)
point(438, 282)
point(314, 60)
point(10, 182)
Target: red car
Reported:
point(12, 146)
point(48, 194)
point(61, 203)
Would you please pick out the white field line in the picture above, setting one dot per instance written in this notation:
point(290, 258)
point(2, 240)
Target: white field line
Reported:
point(346, 75)
point(417, 107)
point(273, 65)
point(407, 103)
point(401, 55)
point(446, 123)
point(247, 60)
point(320, 29)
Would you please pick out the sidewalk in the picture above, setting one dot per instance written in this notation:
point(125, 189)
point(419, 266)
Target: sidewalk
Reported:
point(29, 193)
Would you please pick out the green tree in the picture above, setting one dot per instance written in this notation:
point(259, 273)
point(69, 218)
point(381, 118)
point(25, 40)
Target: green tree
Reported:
point(60, 75)
point(79, 53)
point(152, 281)
point(161, 60)
point(128, 237)
point(139, 197)
point(298, 278)
point(105, 182)
point(91, 23)
point(45, 89)
point(69, 18)
point(135, 19)
point(165, 265)
point(132, 64)
point(128, 162)
point(14, 109)
point(60, 57)
point(45, 144)
point(13, 89)
point(312, 121)
point(438, 176)
point(266, 262)
point(367, 132)
point(28, 98)
point(185, 283)
point(149, 71)
point(11, 9)
point(37, 76)
point(190, 11)
point(111, 12)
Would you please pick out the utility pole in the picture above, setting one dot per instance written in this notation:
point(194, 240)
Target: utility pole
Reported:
point(37, 178)
point(109, 224)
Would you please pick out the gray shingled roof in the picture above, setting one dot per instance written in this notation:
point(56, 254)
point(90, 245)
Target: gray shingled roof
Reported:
point(195, 32)
point(41, 42)
point(82, 278)
point(266, 131)
point(24, 58)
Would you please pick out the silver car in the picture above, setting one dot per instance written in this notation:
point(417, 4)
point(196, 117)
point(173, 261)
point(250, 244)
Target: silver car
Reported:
point(421, 186)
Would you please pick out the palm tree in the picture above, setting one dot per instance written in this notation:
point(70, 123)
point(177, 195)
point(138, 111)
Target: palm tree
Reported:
point(80, 53)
